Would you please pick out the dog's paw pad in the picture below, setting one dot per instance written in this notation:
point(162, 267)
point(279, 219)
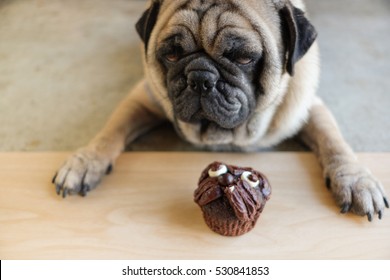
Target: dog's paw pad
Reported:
point(356, 190)
point(81, 173)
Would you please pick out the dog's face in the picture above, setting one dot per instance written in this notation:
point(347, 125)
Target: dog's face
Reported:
point(220, 63)
point(211, 87)
point(211, 72)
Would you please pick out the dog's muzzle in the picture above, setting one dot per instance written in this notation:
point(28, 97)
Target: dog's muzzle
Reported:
point(210, 94)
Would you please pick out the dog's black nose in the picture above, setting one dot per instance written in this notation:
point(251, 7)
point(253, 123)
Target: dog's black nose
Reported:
point(202, 81)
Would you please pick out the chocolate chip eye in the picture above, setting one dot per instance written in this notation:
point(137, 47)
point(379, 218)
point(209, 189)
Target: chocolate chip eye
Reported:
point(251, 179)
point(217, 170)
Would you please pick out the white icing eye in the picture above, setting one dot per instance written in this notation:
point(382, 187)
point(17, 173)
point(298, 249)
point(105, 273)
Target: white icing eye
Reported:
point(232, 188)
point(251, 179)
point(222, 169)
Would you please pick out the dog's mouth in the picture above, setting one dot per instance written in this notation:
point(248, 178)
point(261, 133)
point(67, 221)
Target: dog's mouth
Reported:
point(216, 110)
point(205, 131)
point(204, 125)
point(211, 132)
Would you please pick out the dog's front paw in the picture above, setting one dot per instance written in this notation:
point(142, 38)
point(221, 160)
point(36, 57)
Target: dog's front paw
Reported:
point(81, 173)
point(356, 189)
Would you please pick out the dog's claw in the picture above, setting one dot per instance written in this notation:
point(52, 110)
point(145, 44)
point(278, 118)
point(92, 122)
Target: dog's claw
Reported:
point(328, 183)
point(369, 216)
point(54, 178)
point(84, 190)
point(386, 202)
point(345, 208)
point(58, 189)
point(380, 215)
point(64, 193)
point(109, 169)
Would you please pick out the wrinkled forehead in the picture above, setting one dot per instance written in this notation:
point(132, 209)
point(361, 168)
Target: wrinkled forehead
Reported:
point(212, 26)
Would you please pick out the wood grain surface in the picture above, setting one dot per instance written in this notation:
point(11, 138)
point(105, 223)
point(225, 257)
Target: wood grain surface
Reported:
point(145, 210)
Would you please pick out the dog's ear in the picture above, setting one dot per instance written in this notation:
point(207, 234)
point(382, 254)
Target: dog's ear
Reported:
point(298, 34)
point(145, 24)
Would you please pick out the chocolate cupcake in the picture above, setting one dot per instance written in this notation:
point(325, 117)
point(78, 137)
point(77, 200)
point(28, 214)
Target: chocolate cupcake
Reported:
point(231, 197)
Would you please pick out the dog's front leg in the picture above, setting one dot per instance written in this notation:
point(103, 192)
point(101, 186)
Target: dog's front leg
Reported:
point(353, 186)
point(83, 170)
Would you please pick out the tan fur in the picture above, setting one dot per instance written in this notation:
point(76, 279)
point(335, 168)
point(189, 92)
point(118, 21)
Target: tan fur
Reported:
point(289, 106)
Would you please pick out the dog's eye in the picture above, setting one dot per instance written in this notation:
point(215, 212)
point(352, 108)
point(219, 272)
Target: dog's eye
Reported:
point(172, 57)
point(243, 60)
point(239, 58)
point(174, 54)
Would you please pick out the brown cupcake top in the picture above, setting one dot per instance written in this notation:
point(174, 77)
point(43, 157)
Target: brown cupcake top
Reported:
point(246, 189)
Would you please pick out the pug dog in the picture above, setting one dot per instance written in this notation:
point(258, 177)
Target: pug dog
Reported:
point(232, 73)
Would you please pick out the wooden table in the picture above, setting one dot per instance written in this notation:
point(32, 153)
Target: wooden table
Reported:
point(145, 210)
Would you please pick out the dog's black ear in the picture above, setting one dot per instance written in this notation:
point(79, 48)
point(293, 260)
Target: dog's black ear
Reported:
point(298, 34)
point(145, 24)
